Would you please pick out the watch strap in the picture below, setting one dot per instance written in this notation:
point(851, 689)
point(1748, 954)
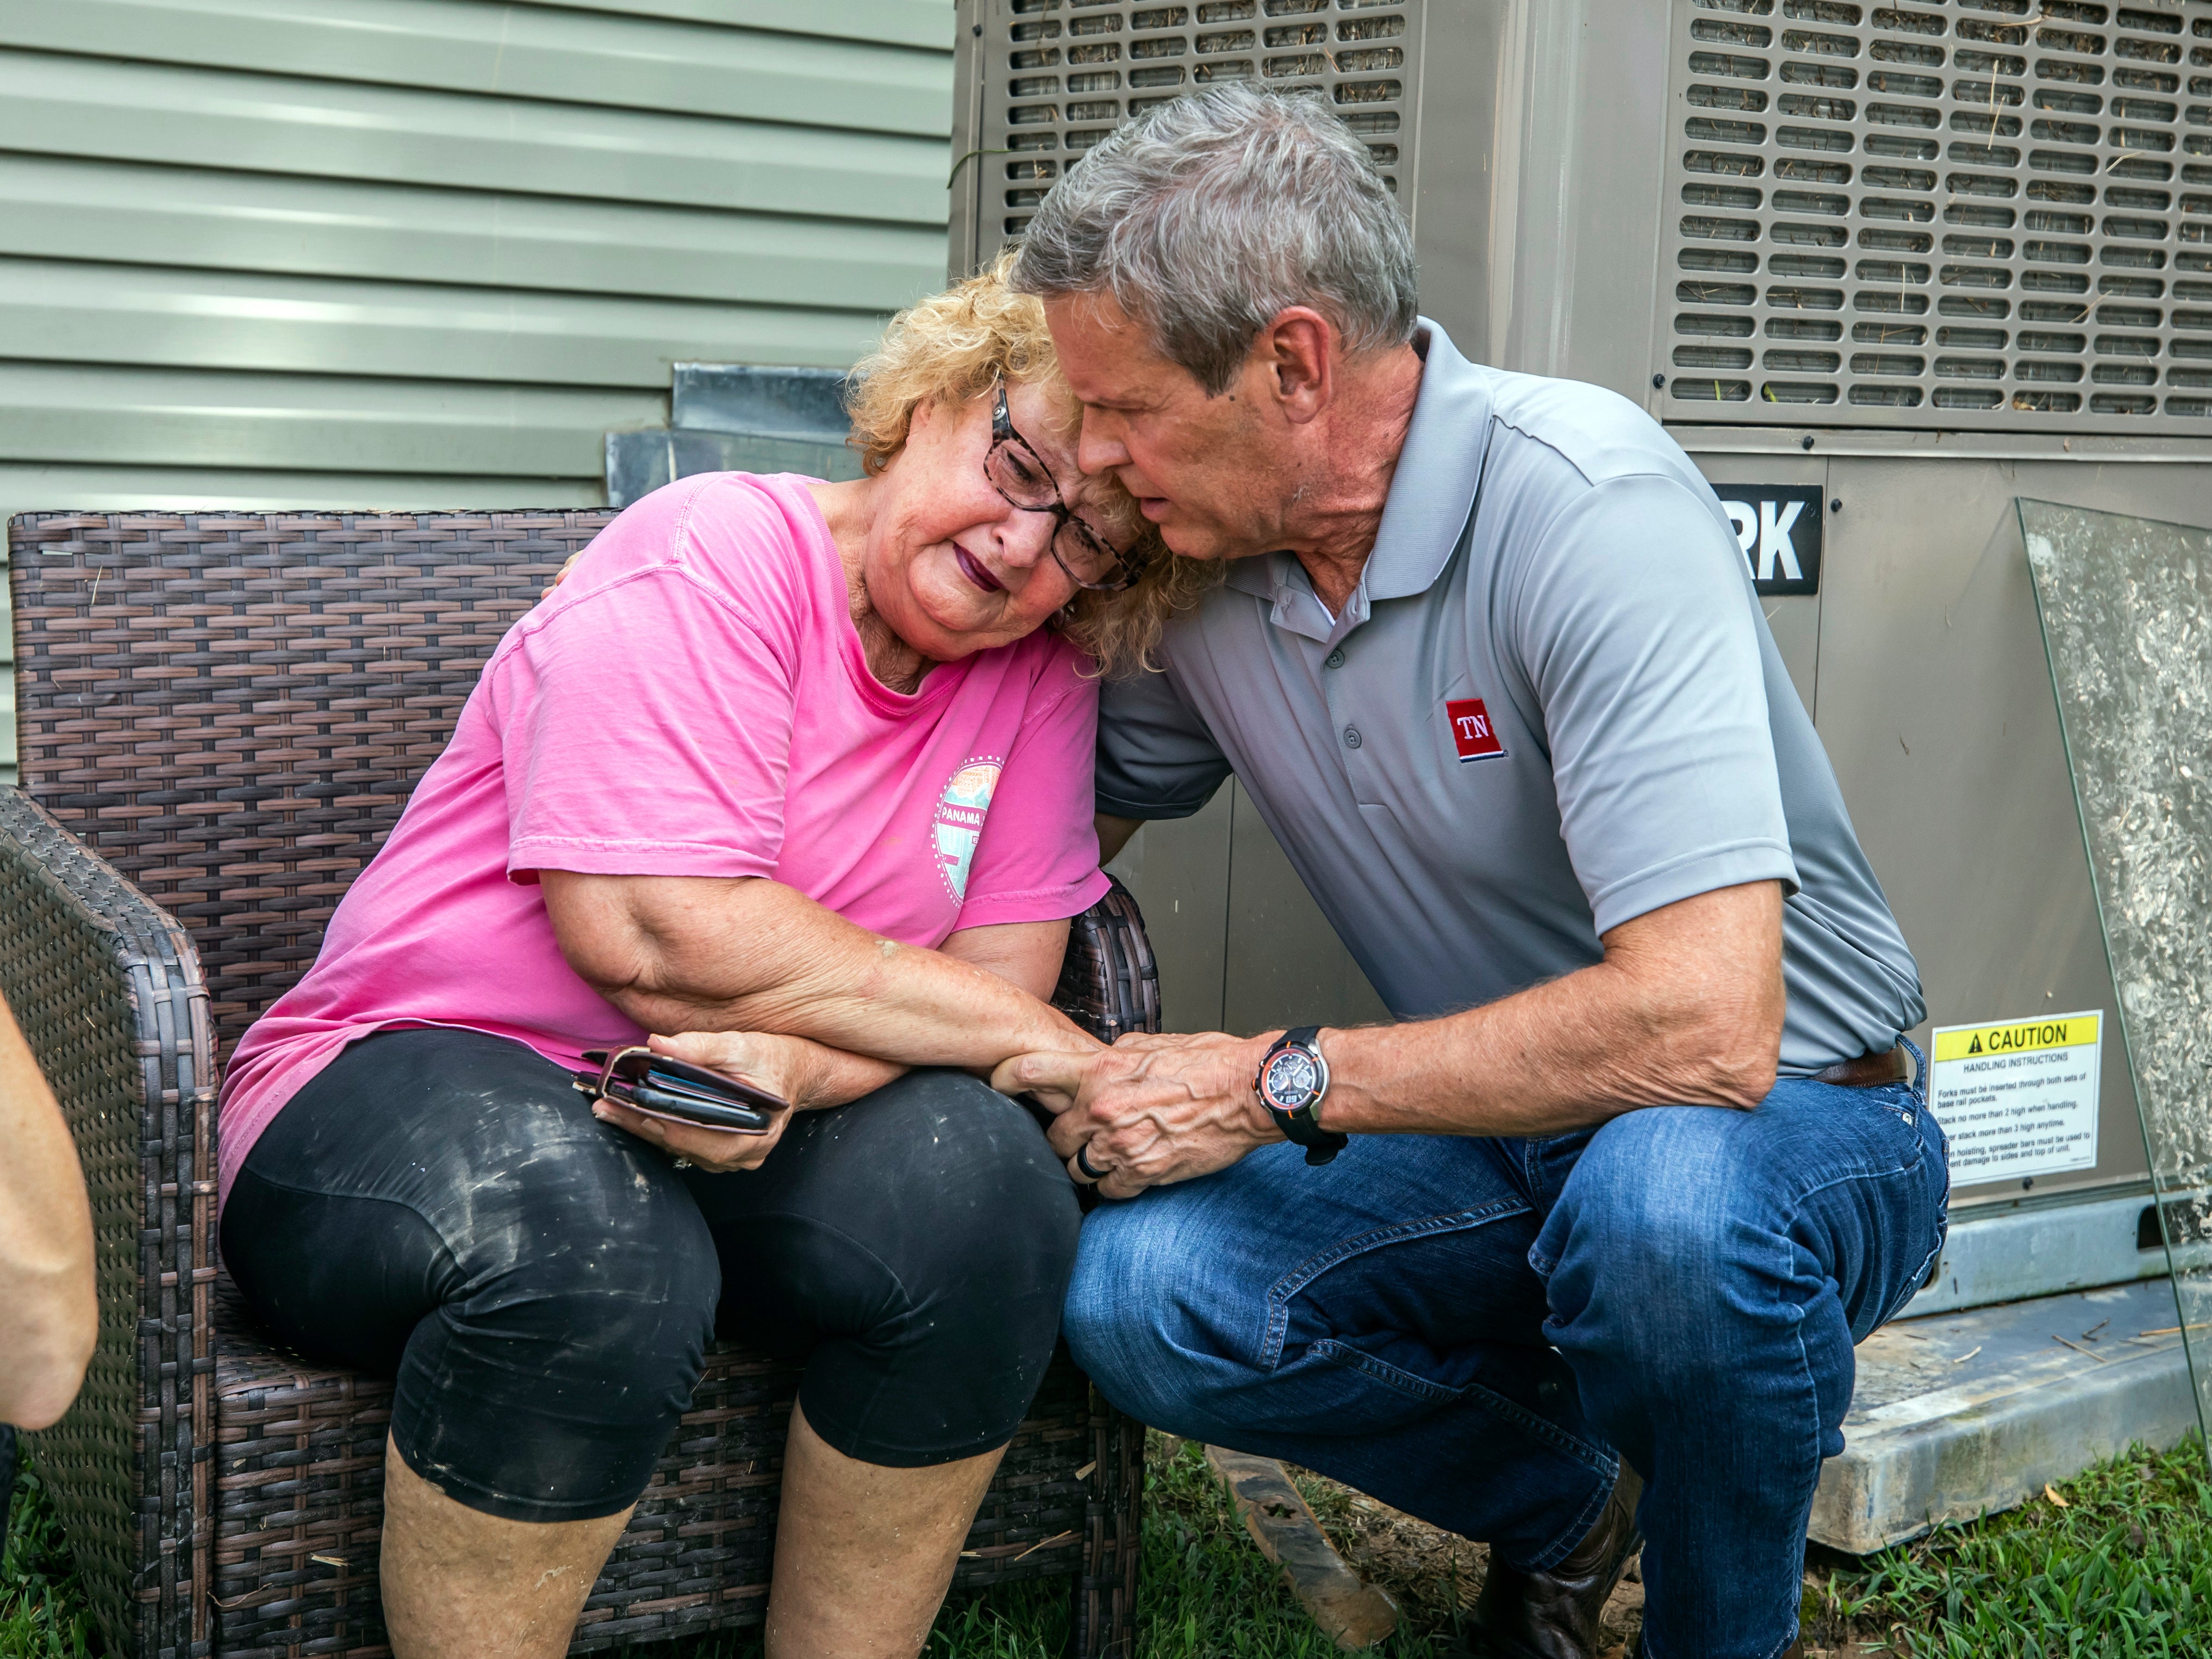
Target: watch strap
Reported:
point(1301, 1125)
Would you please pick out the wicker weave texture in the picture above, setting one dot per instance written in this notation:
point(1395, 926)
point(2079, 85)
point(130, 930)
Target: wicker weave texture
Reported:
point(106, 992)
point(231, 708)
point(299, 1507)
point(230, 711)
point(299, 1463)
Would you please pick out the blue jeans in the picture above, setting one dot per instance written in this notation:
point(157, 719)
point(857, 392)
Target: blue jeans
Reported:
point(1473, 1330)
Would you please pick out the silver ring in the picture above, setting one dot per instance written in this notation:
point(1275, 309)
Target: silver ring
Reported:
point(1083, 1162)
point(682, 1162)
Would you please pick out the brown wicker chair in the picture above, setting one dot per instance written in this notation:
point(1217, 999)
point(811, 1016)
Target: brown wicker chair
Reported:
point(221, 716)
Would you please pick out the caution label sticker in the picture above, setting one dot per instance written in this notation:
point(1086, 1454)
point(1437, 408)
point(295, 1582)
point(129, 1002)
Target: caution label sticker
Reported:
point(2018, 1098)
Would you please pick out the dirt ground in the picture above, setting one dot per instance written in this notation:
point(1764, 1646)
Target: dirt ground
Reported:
point(1432, 1573)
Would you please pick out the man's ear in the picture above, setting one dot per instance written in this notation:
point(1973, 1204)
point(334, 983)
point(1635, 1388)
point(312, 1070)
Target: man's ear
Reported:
point(1300, 350)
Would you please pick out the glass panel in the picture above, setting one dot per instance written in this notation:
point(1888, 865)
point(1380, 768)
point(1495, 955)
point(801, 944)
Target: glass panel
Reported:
point(2127, 619)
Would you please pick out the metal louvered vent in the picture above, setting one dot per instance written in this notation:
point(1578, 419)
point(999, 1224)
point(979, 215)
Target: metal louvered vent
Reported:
point(1072, 71)
point(1968, 214)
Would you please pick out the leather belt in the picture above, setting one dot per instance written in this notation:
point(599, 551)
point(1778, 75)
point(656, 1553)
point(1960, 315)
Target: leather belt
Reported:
point(1868, 1071)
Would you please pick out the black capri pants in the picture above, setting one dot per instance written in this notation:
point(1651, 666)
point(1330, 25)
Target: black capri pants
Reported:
point(442, 1206)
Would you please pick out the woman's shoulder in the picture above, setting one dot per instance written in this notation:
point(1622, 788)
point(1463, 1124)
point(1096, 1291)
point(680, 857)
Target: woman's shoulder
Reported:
point(756, 541)
point(1046, 668)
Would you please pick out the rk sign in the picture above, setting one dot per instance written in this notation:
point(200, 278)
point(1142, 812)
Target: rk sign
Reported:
point(1778, 528)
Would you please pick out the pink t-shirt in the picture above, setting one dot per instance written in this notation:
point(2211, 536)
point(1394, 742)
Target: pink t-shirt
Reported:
point(692, 701)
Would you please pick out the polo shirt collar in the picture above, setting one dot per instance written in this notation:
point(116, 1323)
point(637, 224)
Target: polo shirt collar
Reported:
point(1432, 493)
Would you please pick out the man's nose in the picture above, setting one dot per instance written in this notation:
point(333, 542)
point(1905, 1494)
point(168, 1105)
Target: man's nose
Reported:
point(1099, 447)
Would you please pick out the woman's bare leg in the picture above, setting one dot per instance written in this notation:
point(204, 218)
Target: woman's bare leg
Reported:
point(863, 1553)
point(460, 1584)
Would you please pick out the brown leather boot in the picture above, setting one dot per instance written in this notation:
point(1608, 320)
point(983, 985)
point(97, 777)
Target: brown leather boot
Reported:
point(1553, 1615)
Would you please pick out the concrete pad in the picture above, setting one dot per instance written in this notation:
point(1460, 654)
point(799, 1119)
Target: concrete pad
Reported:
point(1959, 1414)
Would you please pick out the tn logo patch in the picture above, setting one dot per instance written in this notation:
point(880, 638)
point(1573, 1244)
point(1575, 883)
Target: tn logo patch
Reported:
point(1472, 733)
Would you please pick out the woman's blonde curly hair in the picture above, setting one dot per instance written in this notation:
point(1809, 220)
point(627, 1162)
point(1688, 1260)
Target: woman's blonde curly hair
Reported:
point(953, 346)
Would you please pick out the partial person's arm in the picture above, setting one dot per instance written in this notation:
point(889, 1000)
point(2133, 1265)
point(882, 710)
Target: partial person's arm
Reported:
point(812, 1074)
point(679, 953)
point(758, 980)
point(49, 1318)
point(1685, 1009)
point(1631, 625)
point(1114, 834)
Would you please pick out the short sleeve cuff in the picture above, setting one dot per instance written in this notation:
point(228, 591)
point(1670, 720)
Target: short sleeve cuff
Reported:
point(1122, 807)
point(1704, 871)
point(594, 857)
point(1036, 904)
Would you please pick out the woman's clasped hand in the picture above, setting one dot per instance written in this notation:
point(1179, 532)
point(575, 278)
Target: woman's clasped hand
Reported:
point(791, 781)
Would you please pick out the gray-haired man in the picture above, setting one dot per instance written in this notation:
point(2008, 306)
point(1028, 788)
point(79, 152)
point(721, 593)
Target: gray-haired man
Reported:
point(1640, 1164)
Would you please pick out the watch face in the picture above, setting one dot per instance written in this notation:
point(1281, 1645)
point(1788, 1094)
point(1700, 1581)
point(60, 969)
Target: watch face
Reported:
point(1291, 1081)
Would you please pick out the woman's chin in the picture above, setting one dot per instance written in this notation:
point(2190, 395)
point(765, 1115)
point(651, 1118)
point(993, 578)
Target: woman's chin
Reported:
point(958, 620)
point(949, 644)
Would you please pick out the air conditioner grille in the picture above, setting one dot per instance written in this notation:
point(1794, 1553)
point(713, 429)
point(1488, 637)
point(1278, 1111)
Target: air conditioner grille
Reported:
point(1982, 214)
point(1067, 72)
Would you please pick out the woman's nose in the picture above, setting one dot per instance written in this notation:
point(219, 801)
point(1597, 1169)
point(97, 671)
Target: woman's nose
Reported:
point(1024, 536)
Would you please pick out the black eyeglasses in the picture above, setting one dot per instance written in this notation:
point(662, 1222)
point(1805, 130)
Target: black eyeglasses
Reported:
point(1019, 473)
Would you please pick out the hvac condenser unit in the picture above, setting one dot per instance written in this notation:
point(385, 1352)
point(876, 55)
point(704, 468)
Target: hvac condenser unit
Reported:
point(1881, 270)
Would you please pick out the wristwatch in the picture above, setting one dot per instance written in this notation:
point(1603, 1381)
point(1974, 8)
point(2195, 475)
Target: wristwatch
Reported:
point(1293, 1078)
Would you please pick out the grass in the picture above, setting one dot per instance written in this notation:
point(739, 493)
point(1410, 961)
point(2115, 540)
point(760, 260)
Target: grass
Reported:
point(42, 1612)
point(2122, 1567)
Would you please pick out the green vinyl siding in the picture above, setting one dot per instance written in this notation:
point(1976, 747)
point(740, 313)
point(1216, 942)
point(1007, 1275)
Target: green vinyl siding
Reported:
point(400, 254)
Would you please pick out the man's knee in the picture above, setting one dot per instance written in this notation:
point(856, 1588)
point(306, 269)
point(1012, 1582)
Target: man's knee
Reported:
point(1663, 1233)
point(1136, 1319)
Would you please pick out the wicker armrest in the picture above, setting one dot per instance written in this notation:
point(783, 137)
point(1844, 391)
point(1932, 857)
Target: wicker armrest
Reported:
point(1108, 982)
point(108, 989)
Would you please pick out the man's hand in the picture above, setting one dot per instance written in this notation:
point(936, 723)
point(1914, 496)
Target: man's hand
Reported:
point(1150, 1110)
point(783, 1066)
point(1685, 1010)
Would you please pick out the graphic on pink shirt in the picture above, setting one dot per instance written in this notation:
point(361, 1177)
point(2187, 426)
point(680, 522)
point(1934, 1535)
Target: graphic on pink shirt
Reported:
point(960, 814)
point(693, 701)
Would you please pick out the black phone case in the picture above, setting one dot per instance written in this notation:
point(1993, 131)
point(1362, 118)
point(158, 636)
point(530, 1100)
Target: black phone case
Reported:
point(690, 1108)
point(669, 1075)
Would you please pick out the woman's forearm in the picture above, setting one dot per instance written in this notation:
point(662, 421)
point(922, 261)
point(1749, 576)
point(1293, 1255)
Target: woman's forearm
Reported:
point(686, 954)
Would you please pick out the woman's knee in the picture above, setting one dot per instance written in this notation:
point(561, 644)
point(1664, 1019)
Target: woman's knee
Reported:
point(545, 1384)
point(599, 1261)
point(948, 1179)
point(917, 1244)
point(550, 1280)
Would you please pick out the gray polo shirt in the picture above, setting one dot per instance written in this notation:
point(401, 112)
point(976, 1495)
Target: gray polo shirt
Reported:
point(1551, 705)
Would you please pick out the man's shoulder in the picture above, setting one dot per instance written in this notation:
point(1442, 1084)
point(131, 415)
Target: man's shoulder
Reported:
point(1574, 429)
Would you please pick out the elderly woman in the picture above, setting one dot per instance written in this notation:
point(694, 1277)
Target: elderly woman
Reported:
point(801, 771)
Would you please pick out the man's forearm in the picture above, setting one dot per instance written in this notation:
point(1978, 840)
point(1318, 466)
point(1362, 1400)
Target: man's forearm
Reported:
point(1653, 1024)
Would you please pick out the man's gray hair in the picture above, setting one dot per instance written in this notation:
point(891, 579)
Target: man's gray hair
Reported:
point(1207, 215)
